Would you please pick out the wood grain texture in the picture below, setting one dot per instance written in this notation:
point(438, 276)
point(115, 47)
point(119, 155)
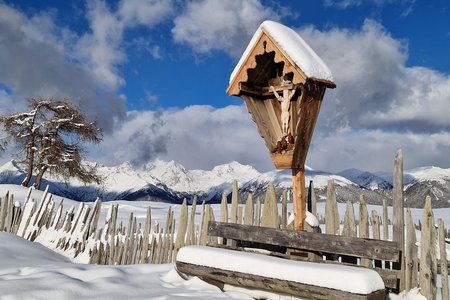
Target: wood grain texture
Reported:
point(261, 117)
point(327, 243)
point(271, 284)
point(299, 197)
point(308, 111)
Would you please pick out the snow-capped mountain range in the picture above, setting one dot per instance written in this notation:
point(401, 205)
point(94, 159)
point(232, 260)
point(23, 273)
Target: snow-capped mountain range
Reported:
point(171, 182)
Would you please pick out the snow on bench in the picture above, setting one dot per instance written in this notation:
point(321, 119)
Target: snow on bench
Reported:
point(314, 279)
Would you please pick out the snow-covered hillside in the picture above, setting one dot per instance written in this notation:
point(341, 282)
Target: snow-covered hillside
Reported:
point(366, 179)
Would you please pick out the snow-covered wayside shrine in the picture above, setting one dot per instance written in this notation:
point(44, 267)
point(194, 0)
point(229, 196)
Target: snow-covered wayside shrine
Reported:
point(254, 249)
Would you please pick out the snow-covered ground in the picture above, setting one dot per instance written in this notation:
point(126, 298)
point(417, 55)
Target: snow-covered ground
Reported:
point(31, 271)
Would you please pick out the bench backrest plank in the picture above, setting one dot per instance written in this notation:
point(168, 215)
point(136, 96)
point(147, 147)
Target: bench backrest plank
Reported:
point(302, 240)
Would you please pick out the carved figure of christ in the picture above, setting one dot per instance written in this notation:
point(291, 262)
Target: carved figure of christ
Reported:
point(285, 102)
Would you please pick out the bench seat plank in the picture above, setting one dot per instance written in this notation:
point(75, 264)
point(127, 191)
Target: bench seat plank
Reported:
point(303, 279)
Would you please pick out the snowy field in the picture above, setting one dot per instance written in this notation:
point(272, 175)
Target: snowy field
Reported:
point(31, 271)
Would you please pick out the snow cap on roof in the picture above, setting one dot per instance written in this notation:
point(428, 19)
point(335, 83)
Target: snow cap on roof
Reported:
point(294, 46)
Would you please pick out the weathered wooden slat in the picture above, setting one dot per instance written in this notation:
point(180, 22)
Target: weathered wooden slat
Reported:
point(249, 214)
point(331, 223)
point(270, 209)
point(411, 259)
point(182, 227)
point(284, 215)
point(308, 111)
point(259, 114)
point(385, 221)
point(390, 277)
point(271, 284)
point(276, 125)
point(191, 238)
point(327, 243)
point(443, 259)
point(428, 265)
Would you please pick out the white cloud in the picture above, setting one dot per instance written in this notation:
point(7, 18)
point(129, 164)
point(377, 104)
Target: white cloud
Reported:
point(208, 25)
point(375, 89)
point(42, 58)
point(196, 136)
point(374, 150)
point(344, 4)
point(144, 12)
point(102, 48)
point(35, 63)
point(379, 105)
point(350, 3)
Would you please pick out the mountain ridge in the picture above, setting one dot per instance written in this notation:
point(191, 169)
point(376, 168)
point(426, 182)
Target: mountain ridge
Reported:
point(171, 182)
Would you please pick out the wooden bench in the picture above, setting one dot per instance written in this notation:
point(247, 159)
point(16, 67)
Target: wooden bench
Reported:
point(277, 241)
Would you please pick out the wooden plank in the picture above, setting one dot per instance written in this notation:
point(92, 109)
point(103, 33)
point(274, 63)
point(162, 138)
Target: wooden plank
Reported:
point(270, 209)
point(428, 265)
point(273, 118)
point(271, 284)
point(358, 247)
point(284, 215)
point(191, 238)
point(299, 195)
point(182, 227)
point(411, 259)
point(331, 224)
point(257, 218)
point(390, 277)
point(443, 260)
point(398, 211)
point(349, 221)
point(308, 112)
point(249, 210)
point(277, 108)
point(282, 161)
point(259, 114)
point(364, 226)
point(385, 221)
point(376, 231)
point(234, 202)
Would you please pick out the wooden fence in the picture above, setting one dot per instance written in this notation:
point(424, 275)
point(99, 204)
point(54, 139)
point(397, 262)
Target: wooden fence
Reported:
point(78, 233)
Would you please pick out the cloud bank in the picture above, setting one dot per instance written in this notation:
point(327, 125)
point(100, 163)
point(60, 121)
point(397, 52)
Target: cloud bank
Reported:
point(379, 105)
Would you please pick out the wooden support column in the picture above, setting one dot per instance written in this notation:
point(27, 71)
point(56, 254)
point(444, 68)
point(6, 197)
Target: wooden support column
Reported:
point(299, 193)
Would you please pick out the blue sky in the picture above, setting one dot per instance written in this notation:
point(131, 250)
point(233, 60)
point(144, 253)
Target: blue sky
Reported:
point(154, 73)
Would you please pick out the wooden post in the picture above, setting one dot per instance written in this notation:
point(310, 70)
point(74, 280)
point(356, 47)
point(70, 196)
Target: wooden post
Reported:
point(284, 210)
point(428, 264)
point(313, 198)
point(234, 203)
point(443, 260)
point(191, 238)
point(249, 214)
point(411, 259)
point(224, 208)
point(182, 227)
point(331, 214)
point(398, 234)
point(385, 221)
point(298, 190)
point(376, 233)
point(270, 210)
point(364, 226)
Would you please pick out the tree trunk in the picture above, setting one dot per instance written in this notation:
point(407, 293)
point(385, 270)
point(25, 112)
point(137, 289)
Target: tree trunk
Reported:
point(30, 158)
point(38, 181)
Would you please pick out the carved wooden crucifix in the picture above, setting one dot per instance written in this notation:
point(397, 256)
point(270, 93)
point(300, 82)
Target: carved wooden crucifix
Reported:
point(285, 102)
